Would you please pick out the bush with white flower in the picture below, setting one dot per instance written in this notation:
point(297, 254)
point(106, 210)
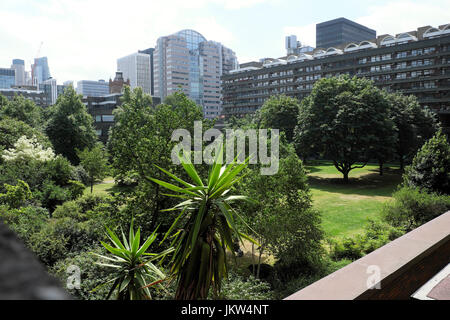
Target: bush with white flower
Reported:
point(28, 149)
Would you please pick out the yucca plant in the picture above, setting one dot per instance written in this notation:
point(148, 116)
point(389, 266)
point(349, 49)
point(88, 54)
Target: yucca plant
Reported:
point(133, 267)
point(204, 228)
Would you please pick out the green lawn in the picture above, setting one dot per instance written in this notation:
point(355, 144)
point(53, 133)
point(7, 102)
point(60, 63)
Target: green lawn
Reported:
point(105, 187)
point(346, 208)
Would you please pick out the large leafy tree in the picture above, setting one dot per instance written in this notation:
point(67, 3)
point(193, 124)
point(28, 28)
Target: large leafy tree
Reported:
point(415, 124)
point(24, 110)
point(141, 138)
point(282, 215)
point(341, 119)
point(70, 126)
point(430, 168)
point(279, 112)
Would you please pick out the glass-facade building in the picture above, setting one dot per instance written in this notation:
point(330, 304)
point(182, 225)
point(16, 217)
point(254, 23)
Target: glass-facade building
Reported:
point(7, 78)
point(338, 31)
point(186, 61)
point(40, 70)
point(19, 66)
point(93, 88)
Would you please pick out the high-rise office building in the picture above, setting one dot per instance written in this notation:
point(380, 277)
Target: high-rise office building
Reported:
point(40, 70)
point(150, 51)
point(50, 88)
point(188, 62)
point(136, 67)
point(19, 66)
point(7, 78)
point(92, 88)
point(338, 31)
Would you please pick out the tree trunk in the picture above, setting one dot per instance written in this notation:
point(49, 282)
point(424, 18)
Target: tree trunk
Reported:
point(253, 259)
point(92, 185)
point(402, 163)
point(259, 261)
point(381, 167)
point(345, 176)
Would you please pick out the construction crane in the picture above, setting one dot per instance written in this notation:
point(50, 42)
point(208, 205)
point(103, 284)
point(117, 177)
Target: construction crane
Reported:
point(33, 65)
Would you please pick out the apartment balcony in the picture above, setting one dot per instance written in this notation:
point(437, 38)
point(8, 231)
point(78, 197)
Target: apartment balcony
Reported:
point(414, 266)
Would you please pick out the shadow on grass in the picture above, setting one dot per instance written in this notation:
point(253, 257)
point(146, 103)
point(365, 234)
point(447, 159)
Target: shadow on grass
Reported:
point(371, 184)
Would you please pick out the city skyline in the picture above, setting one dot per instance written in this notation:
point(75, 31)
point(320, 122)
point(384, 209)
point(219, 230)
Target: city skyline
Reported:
point(233, 23)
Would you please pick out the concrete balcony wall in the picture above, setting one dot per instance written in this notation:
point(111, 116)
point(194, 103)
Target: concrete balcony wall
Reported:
point(399, 268)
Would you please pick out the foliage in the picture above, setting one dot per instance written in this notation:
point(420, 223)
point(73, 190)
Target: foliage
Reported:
point(76, 189)
point(17, 195)
point(134, 271)
point(24, 110)
point(28, 149)
point(95, 162)
point(376, 235)
point(70, 126)
point(430, 168)
point(92, 275)
point(283, 216)
point(52, 195)
point(279, 112)
point(141, 138)
point(208, 224)
point(25, 221)
point(345, 120)
point(12, 129)
point(236, 287)
point(413, 207)
point(414, 123)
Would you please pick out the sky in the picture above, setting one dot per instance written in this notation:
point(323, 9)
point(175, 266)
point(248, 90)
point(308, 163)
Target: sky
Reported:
point(84, 38)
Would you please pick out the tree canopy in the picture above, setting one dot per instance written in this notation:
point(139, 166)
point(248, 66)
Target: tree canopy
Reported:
point(345, 120)
point(70, 126)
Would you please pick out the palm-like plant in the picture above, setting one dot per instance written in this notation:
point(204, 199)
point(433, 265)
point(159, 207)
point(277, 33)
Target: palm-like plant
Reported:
point(133, 268)
point(203, 229)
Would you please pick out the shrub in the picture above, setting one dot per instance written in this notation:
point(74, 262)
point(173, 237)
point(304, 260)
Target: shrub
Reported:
point(93, 276)
point(236, 287)
point(24, 221)
point(52, 195)
point(17, 195)
point(375, 235)
point(76, 189)
point(430, 168)
point(412, 207)
point(80, 174)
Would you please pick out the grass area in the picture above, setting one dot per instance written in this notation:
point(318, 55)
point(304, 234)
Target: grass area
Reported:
point(345, 208)
point(105, 187)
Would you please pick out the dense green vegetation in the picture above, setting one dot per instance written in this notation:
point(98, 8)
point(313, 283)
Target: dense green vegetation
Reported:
point(218, 231)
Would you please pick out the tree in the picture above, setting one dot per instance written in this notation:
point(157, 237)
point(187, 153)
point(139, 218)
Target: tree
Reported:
point(282, 215)
point(141, 139)
point(70, 126)
point(204, 227)
point(24, 110)
point(340, 121)
point(430, 168)
point(95, 162)
point(279, 112)
point(415, 124)
point(28, 150)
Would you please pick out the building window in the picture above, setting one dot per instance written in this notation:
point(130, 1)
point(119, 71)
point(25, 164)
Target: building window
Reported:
point(108, 118)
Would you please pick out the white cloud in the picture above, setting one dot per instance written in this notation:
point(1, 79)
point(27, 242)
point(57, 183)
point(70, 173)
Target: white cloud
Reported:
point(82, 38)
